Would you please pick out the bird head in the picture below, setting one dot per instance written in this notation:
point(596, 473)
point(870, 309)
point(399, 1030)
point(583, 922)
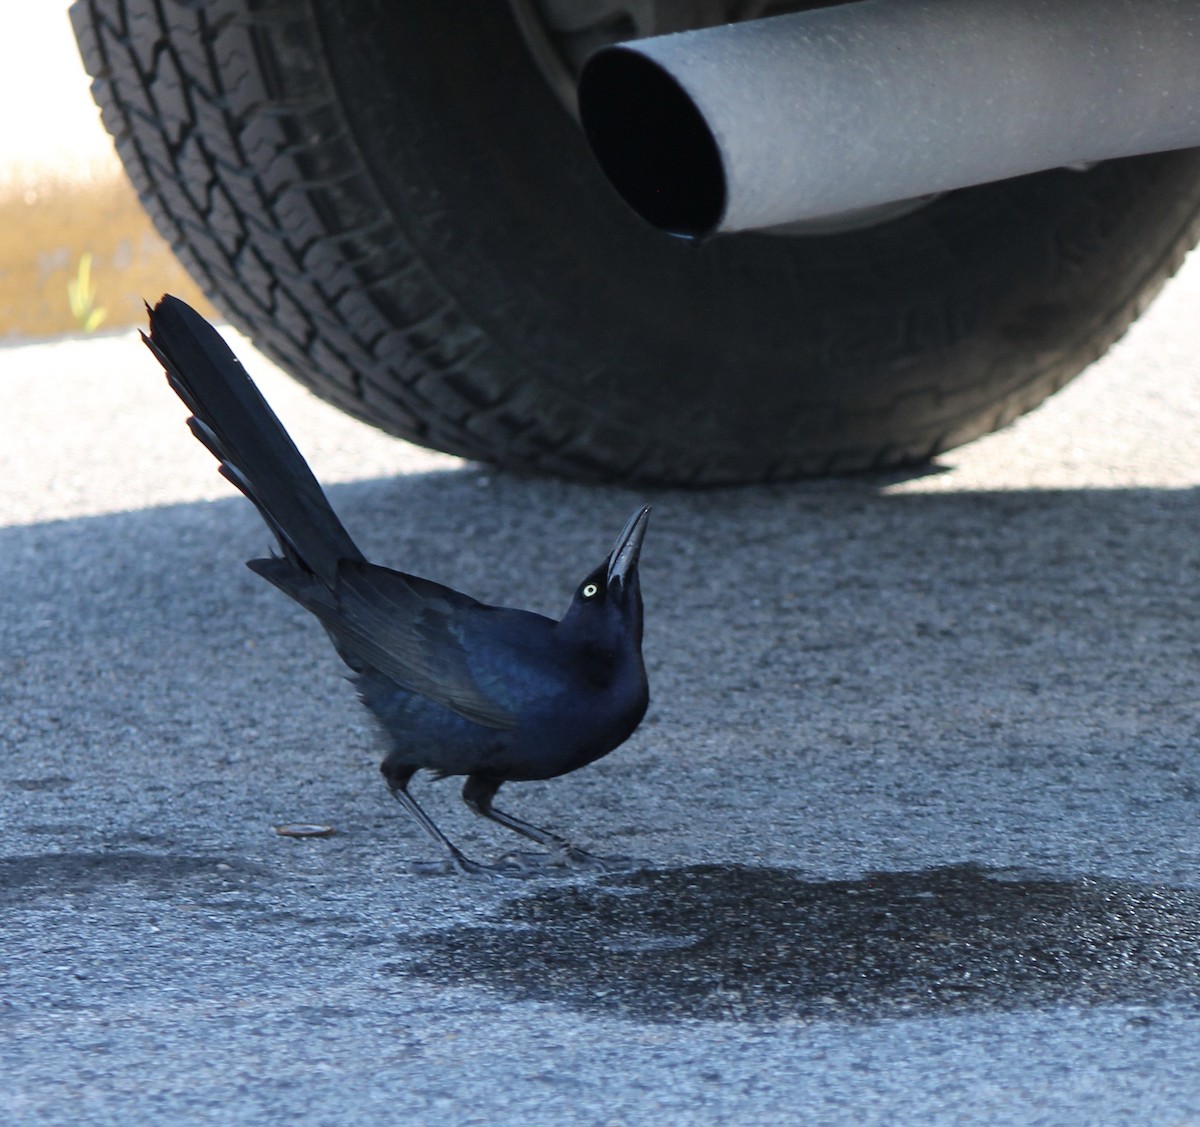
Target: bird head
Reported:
point(606, 612)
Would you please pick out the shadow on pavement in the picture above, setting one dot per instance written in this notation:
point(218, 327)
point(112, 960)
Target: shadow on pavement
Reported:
point(854, 679)
point(734, 943)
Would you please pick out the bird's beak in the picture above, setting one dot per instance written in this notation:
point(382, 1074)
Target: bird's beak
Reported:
point(623, 559)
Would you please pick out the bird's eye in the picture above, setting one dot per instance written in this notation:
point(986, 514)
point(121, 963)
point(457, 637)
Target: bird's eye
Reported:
point(589, 590)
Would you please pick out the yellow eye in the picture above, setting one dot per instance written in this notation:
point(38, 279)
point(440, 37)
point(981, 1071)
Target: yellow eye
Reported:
point(590, 590)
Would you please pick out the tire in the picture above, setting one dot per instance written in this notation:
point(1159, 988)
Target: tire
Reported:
point(392, 203)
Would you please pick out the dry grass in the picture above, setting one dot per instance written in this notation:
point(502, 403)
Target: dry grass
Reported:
point(48, 222)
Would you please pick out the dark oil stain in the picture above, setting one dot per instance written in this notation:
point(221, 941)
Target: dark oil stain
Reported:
point(722, 942)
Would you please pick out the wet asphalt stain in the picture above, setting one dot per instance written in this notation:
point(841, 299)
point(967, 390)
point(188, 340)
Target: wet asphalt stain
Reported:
point(25, 880)
point(751, 944)
point(49, 783)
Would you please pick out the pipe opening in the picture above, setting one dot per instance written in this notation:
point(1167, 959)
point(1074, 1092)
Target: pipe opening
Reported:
point(652, 143)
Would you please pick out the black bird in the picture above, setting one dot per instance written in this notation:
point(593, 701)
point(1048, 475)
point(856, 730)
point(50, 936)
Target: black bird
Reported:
point(458, 687)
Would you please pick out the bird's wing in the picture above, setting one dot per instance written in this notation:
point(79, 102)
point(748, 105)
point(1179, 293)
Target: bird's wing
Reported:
point(412, 630)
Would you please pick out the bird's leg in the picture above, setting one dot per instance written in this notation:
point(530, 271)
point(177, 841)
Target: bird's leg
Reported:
point(457, 861)
point(478, 793)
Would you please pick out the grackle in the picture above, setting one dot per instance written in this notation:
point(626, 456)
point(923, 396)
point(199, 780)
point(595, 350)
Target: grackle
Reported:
point(457, 686)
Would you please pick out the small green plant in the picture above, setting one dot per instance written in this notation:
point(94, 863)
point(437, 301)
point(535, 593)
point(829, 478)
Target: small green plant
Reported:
point(81, 294)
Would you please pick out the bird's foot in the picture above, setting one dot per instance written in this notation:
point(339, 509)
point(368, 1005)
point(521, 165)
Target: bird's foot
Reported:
point(525, 864)
point(464, 866)
point(569, 857)
point(579, 859)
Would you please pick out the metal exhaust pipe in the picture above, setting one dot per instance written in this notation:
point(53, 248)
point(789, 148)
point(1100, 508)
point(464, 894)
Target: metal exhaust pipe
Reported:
point(797, 117)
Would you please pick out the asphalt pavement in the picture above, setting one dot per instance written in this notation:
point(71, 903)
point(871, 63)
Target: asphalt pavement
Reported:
point(918, 792)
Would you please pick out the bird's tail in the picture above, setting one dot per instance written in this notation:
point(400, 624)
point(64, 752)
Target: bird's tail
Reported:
point(231, 418)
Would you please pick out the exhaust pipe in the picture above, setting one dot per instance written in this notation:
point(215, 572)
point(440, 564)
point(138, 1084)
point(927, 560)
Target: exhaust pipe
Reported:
point(803, 116)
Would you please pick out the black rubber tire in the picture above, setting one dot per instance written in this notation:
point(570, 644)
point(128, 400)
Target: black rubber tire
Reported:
point(389, 200)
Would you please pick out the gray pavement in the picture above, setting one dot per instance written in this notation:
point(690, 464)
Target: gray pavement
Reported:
point(920, 785)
